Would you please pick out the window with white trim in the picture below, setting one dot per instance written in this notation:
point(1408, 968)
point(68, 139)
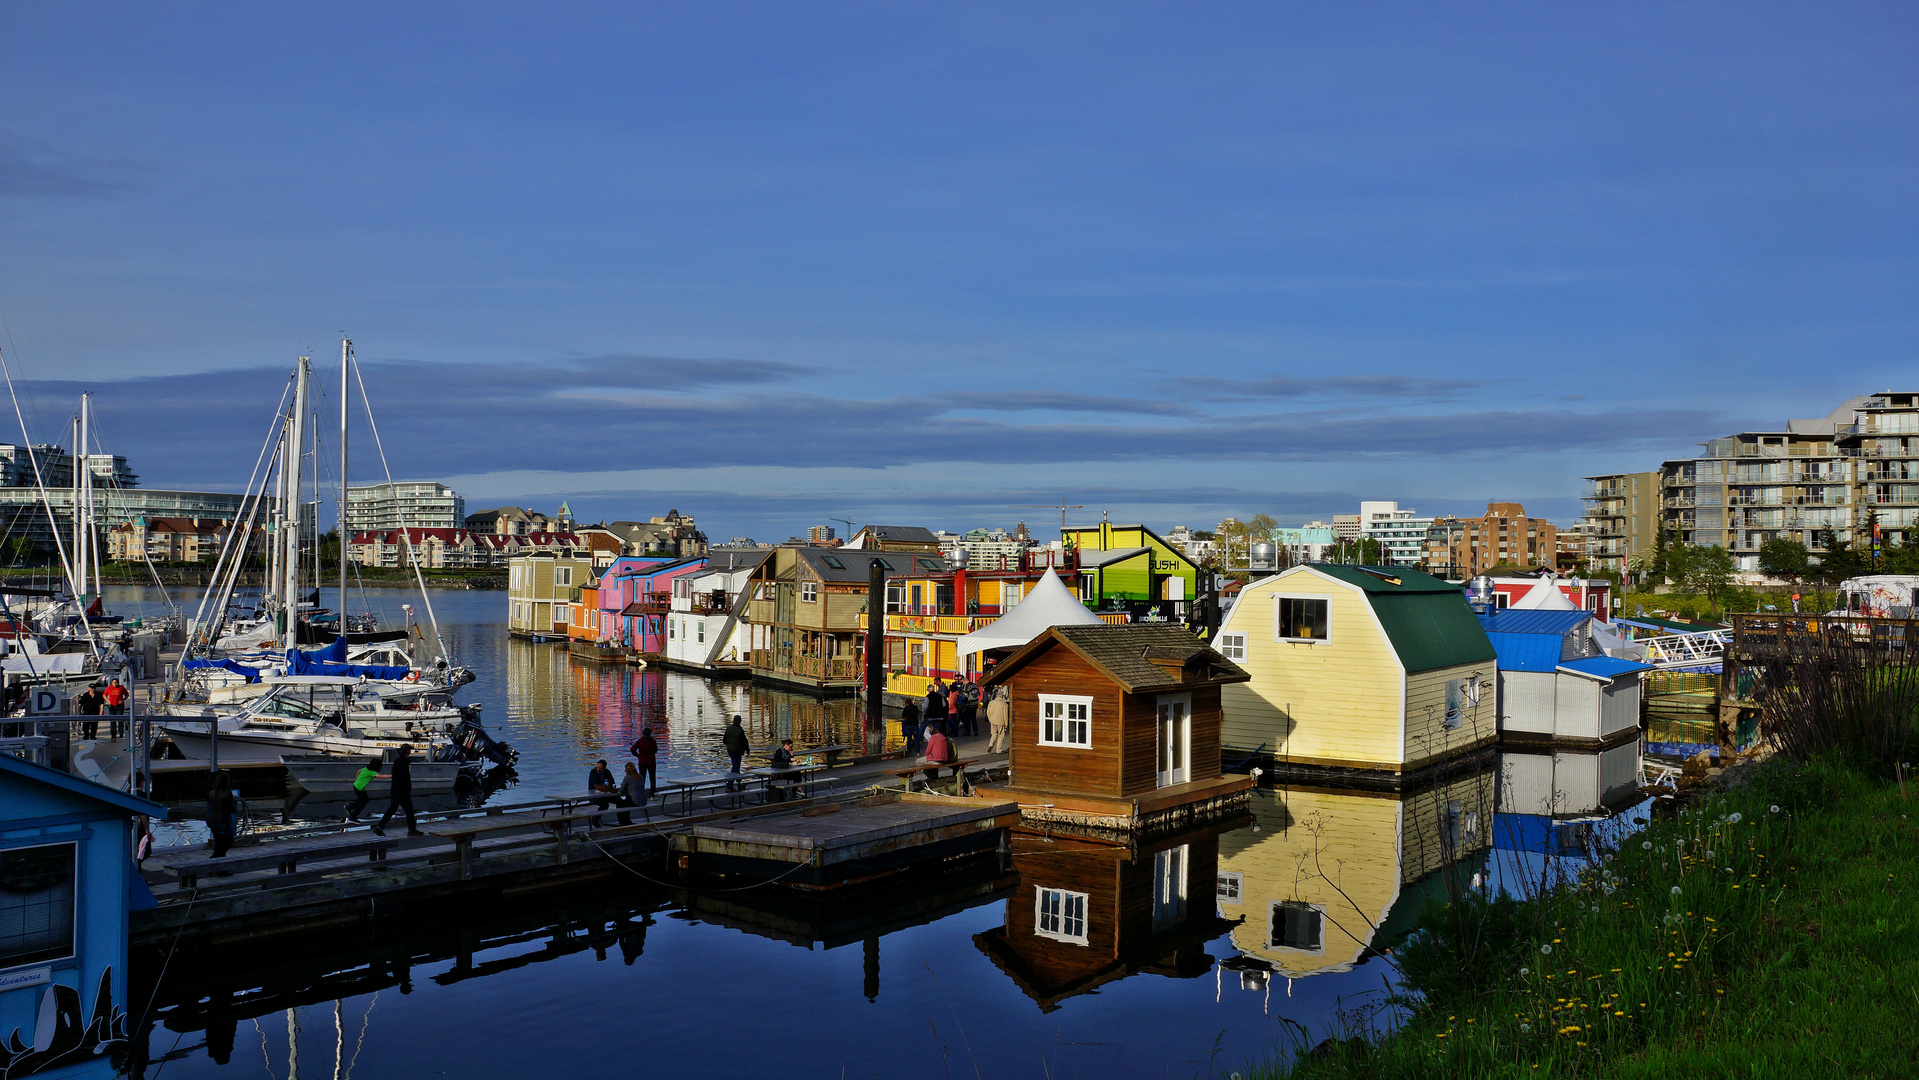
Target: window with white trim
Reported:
point(1060, 915)
point(1300, 618)
point(700, 625)
point(1065, 721)
point(809, 592)
point(563, 576)
point(1228, 888)
point(37, 904)
point(673, 628)
point(1296, 926)
point(1232, 647)
point(562, 613)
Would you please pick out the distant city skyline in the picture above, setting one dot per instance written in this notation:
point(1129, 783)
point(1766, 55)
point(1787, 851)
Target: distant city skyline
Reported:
point(776, 265)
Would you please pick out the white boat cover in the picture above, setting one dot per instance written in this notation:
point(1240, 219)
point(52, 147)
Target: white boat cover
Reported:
point(1544, 596)
point(46, 664)
point(1050, 604)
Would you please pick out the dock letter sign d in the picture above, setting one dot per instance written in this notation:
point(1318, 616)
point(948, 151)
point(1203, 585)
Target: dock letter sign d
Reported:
point(46, 701)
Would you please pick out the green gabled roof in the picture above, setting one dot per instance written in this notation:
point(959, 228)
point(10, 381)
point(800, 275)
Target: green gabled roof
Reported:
point(1426, 618)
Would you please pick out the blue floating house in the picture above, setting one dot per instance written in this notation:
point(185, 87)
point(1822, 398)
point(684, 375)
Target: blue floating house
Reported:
point(67, 882)
point(1556, 686)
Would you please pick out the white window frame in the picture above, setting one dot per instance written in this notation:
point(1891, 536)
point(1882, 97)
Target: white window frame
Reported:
point(1062, 917)
point(809, 592)
point(1232, 647)
point(700, 625)
point(1280, 599)
point(562, 577)
point(1230, 888)
point(1273, 908)
point(1066, 720)
point(672, 628)
point(563, 613)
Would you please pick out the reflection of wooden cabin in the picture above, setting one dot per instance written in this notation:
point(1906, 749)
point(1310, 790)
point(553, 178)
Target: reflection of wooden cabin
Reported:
point(1086, 914)
point(1116, 728)
point(1382, 670)
point(1332, 874)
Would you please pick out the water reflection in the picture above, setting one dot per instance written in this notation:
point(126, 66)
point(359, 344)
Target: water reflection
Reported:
point(1330, 875)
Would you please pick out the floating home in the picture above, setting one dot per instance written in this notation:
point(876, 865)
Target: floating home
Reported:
point(1367, 673)
point(1556, 687)
point(1133, 569)
point(936, 619)
point(67, 885)
point(1115, 730)
point(541, 589)
point(707, 632)
point(1084, 914)
point(806, 610)
point(1331, 876)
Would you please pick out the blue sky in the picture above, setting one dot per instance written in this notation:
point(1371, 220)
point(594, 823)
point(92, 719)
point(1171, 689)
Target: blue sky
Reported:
point(772, 264)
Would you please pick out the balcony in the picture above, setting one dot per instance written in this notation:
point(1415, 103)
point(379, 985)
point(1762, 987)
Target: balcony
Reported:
point(1678, 503)
point(831, 669)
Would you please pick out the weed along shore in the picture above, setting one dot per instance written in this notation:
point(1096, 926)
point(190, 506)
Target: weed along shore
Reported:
point(1766, 930)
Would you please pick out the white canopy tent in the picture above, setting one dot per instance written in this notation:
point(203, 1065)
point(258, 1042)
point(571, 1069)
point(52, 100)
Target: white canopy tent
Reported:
point(1544, 596)
point(1050, 604)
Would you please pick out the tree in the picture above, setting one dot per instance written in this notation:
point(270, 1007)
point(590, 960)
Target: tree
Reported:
point(1709, 571)
point(1837, 560)
point(1785, 557)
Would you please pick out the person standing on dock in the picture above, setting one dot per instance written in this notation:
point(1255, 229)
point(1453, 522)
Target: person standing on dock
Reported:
point(362, 788)
point(115, 696)
point(89, 704)
point(735, 742)
point(646, 754)
point(965, 707)
point(221, 813)
point(999, 714)
point(402, 793)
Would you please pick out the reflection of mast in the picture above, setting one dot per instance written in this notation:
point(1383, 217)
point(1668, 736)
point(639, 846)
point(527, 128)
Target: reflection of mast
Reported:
point(293, 1044)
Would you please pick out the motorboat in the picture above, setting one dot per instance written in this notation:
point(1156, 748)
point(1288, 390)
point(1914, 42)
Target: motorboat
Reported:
point(325, 776)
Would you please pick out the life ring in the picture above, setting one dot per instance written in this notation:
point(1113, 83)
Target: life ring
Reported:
point(411, 676)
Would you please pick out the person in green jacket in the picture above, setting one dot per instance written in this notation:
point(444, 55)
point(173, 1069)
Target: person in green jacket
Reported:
point(368, 773)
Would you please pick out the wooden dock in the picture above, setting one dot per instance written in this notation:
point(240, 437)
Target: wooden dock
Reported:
point(838, 843)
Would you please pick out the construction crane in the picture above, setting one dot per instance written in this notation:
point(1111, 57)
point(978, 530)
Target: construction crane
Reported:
point(846, 522)
point(1062, 506)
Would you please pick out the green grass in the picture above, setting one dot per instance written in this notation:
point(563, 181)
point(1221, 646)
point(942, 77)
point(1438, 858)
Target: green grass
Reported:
point(1791, 948)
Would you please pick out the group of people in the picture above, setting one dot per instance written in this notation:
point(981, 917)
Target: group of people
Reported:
point(925, 721)
point(103, 699)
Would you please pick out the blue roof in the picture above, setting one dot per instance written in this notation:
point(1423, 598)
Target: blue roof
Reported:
point(66, 781)
point(1526, 652)
point(1509, 621)
point(1604, 668)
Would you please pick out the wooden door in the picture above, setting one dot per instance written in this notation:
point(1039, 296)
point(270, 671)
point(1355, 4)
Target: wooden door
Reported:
point(1174, 738)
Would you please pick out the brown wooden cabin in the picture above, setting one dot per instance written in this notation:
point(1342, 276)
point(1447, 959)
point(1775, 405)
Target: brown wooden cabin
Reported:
point(1115, 729)
point(1086, 914)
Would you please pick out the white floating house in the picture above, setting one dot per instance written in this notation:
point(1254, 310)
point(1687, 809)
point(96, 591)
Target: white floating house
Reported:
point(1556, 686)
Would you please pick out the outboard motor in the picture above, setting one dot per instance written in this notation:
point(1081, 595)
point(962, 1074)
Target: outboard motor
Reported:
point(476, 744)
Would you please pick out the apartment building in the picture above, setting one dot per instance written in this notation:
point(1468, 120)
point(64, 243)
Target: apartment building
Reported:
point(1401, 534)
point(1851, 471)
point(1503, 536)
point(406, 504)
point(1623, 512)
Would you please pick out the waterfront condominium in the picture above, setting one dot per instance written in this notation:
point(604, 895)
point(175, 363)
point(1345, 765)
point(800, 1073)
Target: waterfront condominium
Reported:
point(407, 504)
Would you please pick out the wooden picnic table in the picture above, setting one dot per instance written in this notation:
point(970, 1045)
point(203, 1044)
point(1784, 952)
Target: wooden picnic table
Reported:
point(932, 770)
point(462, 832)
point(830, 753)
point(283, 855)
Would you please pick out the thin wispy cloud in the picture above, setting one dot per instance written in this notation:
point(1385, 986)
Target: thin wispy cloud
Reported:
point(1330, 386)
point(30, 169)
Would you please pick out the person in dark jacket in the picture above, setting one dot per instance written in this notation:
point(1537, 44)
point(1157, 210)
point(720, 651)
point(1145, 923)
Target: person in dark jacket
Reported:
point(221, 813)
point(966, 705)
point(735, 742)
point(910, 725)
point(89, 704)
point(601, 780)
point(646, 754)
point(402, 793)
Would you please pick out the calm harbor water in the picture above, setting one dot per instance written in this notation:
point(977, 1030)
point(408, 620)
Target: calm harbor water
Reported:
point(1194, 955)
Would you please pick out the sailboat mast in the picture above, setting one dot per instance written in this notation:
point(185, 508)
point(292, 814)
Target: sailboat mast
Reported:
point(346, 359)
point(86, 489)
point(79, 529)
point(296, 453)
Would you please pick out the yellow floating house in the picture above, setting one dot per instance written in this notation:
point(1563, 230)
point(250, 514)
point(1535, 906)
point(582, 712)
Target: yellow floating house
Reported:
point(1382, 670)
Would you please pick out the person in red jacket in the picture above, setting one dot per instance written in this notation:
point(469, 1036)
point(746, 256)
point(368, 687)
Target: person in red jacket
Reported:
point(646, 755)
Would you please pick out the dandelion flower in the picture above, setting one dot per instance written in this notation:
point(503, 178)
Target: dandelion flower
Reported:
point(1647, 845)
point(1675, 890)
point(1546, 949)
point(1735, 818)
point(1523, 972)
point(1775, 808)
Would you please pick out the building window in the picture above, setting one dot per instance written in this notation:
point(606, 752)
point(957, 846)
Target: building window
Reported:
point(1060, 915)
point(1088, 587)
point(809, 592)
point(1233, 647)
point(672, 631)
point(36, 904)
point(1301, 618)
point(1227, 890)
point(562, 576)
point(1065, 721)
point(562, 613)
point(700, 625)
point(1296, 926)
point(1461, 694)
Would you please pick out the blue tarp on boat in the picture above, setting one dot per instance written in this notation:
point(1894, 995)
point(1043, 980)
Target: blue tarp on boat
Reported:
point(252, 674)
point(331, 661)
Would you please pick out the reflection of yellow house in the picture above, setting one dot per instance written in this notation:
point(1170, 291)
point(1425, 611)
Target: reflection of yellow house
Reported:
point(1354, 667)
point(1330, 874)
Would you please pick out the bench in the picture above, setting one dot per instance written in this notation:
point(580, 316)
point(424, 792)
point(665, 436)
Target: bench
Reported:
point(464, 831)
point(570, 801)
point(831, 754)
point(285, 856)
point(932, 771)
